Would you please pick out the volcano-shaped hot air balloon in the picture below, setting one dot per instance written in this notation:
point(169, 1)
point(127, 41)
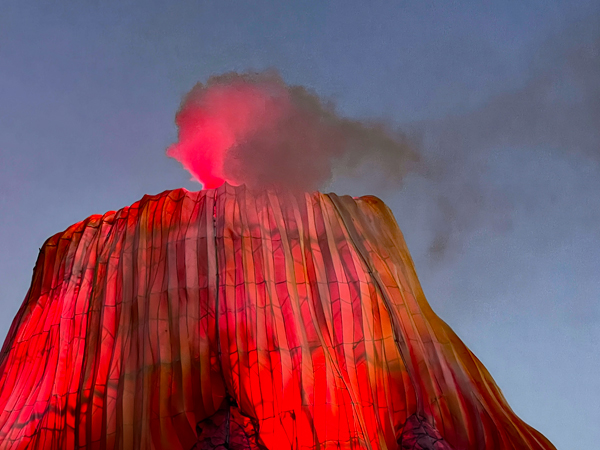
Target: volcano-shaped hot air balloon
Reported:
point(230, 319)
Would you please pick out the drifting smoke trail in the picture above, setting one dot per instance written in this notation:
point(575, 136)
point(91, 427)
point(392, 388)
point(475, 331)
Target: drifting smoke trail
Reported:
point(254, 129)
point(556, 110)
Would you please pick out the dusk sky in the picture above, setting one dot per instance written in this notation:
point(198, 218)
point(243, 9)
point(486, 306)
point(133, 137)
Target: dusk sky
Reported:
point(502, 99)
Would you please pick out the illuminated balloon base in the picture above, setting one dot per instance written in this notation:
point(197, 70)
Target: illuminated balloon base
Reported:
point(230, 319)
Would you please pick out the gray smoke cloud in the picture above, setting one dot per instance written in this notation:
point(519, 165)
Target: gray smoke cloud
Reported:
point(254, 129)
point(287, 136)
point(557, 109)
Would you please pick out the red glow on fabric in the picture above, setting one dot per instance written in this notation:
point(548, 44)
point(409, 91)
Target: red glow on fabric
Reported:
point(214, 120)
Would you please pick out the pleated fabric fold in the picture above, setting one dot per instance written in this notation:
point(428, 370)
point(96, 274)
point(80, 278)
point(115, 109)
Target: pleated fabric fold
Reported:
point(228, 318)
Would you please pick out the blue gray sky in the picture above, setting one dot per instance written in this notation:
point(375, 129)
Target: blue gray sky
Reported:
point(503, 97)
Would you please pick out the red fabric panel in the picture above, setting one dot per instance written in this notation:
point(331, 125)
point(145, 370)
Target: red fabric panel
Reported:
point(115, 345)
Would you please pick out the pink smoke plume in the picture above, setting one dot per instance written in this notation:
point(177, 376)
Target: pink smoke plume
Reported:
point(254, 129)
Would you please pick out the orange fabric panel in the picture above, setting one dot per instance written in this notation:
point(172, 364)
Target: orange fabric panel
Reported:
point(307, 346)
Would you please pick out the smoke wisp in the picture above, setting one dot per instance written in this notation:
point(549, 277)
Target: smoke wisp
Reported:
point(556, 110)
point(254, 129)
